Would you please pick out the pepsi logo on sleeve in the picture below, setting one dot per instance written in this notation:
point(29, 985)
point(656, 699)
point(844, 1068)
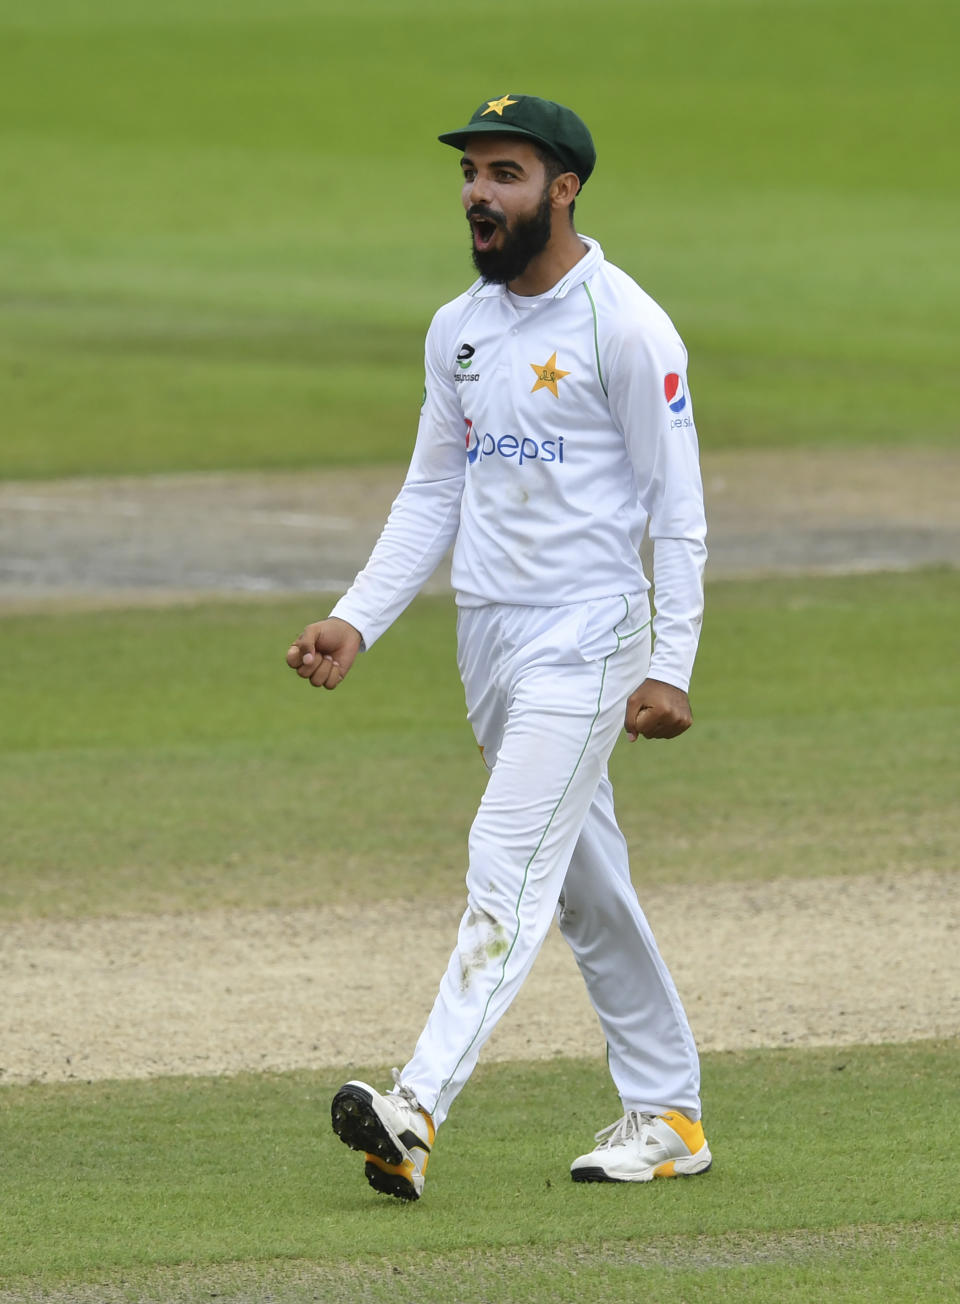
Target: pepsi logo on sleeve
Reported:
point(675, 393)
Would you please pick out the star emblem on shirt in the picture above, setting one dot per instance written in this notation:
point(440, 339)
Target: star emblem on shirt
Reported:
point(497, 106)
point(548, 375)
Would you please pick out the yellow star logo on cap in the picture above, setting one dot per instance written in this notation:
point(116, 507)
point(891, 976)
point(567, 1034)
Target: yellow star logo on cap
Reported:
point(497, 106)
point(548, 375)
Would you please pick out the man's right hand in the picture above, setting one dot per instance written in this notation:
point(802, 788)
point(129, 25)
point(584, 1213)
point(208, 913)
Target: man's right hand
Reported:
point(325, 651)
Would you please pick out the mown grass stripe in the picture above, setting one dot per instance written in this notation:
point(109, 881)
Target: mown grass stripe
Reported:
point(484, 1273)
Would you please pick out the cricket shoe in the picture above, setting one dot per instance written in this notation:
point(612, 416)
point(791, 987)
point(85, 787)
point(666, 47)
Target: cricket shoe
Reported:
point(639, 1147)
point(394, 1133)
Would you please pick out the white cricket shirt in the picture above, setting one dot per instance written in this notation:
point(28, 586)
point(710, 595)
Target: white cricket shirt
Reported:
point(554, 431)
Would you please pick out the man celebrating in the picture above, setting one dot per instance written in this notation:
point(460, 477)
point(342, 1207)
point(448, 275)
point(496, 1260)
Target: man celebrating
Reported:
point(556, 428)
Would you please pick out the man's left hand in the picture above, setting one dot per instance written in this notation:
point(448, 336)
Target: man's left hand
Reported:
point(657, 710)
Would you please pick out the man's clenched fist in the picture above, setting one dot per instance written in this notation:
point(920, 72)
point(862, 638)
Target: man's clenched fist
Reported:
point(324, 652)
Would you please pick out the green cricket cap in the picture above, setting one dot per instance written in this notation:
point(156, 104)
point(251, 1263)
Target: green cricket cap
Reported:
point(553, 125)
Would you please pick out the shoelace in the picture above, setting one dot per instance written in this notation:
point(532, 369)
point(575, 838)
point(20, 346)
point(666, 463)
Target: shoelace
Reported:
point(625, 1129)
point(405, 1093)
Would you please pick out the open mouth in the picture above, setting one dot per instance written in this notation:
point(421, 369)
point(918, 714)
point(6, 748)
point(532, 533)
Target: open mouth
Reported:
point(484, 232)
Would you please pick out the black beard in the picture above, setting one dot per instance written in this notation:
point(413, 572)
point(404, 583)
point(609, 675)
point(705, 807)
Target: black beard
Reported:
point(521, 244)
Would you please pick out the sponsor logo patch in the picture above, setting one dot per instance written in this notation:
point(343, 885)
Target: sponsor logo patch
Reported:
point(473, 442)
point(674, 392)
point(465, 362)
point(511, 448)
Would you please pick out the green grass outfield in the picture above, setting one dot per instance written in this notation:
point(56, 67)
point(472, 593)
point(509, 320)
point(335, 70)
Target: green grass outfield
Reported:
point(168, 759)
point(224, 226)
point(834, 1171)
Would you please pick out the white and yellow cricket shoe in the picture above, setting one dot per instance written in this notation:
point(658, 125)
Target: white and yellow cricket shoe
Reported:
point(394, 1133)
point(640, 1147)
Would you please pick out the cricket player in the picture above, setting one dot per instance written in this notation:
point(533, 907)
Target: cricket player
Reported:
point(556, 428)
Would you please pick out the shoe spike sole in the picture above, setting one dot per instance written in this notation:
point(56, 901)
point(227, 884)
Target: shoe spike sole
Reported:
point(598, 1175)
point(357, 1125)
point(590, 1175)
point(389, 1183)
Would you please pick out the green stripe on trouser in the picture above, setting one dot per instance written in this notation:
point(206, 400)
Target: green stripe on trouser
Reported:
point(546, 690)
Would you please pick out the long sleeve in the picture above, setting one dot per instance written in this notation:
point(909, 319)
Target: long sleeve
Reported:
point(425, 515)
point(650, 401)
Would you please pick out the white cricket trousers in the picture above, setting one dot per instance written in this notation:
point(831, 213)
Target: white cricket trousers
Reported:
point(546, 689)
